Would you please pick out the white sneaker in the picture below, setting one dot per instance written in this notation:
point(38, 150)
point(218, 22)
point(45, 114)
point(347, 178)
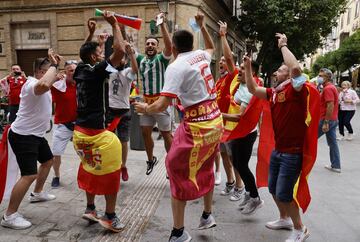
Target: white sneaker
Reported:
point(244, 200)
point(228, 189)
point(337, 170)
point(299, 235)
point(217, 178)
point(15, 221)
point(340, 138)
point(349, 137)
point(41, 197)
point(252, 205)
point(237, 194)
point(280, 224)
point(207, 223)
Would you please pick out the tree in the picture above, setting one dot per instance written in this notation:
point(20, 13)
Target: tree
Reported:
point(349, 52)
point(305, 22)
point(341, 59)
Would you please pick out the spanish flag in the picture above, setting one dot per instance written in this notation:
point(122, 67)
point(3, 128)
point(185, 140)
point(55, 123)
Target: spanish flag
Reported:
point(301, 190)
point(9, 168)
point(100, 154)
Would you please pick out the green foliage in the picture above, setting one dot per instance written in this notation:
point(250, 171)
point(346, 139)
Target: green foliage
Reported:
point(305, 22)
point(349, 51)
point(343, 58)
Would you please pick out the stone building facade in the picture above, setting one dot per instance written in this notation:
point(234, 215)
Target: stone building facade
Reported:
point(29, 28)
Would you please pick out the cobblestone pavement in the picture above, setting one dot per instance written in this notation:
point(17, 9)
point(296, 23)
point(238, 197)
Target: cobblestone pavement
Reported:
point(144, 205)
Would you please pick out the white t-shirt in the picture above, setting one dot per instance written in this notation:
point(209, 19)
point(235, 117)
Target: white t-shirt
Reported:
point(189, 78)
point(33, 117)
point(119, 88)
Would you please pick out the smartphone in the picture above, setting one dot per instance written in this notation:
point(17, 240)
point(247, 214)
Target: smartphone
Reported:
point(159, 20)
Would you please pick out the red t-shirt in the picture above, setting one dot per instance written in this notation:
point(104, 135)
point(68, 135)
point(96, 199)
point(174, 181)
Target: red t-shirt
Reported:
point(222, 86)
point(288, 111)
point(65, 104)
point(329, 94)
point(15, 85)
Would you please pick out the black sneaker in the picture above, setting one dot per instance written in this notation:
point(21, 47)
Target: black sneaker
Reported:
point(151, 164)
point(55, 182)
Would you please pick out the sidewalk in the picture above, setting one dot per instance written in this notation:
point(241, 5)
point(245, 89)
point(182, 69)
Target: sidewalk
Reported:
point(144, 205)
point(60, 220)
point(333, 214)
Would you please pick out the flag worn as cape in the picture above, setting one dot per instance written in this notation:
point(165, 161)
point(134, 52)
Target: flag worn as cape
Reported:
point(8, 167)
point(301, 189)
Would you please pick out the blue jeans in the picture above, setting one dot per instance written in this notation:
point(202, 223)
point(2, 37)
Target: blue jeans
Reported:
point(332, 143)
point(284, 171)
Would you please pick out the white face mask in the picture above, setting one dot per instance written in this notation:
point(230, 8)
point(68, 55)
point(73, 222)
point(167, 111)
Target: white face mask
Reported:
point(320, 80)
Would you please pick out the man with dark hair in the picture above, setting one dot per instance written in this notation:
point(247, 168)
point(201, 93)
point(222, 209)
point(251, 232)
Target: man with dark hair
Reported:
point(328, 117)
point(152, 67)
point(26, 138)
point(190, 160)
point(64, 98)
point(13, 83)
point(98, 149)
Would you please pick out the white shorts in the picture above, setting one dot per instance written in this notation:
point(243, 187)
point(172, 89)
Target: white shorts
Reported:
point(162, 119)
point(61, 136)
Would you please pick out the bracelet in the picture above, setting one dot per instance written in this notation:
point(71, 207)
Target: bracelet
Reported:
point(282, 46)
point(54, 65)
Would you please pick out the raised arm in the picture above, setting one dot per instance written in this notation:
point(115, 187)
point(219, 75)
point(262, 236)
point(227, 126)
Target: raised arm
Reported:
point(131, 54)
point(165, 35)
point(46, 82)
point(252, 86)
point(102, 40)
point(289, 58)
point(209, 44)
point(118, 44)
point(123, 32)
point(226, 48)
point(91, 27)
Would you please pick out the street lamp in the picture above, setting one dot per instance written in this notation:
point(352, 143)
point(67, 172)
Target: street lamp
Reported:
point(163, 5)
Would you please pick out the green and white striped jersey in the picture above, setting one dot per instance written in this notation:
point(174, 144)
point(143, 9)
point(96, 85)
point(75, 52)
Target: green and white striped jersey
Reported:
point(152, 72)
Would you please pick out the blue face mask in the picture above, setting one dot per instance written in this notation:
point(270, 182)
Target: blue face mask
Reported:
point(298, 81)
point(320, 80)
point(193, 25)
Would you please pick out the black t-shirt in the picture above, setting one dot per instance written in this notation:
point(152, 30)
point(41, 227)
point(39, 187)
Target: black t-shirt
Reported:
point(91, 94)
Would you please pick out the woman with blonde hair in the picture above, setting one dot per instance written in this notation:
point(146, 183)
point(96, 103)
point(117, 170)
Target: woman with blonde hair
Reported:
point(348, 99)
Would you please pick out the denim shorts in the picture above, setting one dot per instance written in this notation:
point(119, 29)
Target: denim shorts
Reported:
point(284, 172)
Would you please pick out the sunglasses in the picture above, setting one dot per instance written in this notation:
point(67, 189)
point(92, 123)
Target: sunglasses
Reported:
point(70, 62)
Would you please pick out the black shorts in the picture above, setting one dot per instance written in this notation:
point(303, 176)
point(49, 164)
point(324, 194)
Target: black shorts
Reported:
point(29, 149)
point(123, 129)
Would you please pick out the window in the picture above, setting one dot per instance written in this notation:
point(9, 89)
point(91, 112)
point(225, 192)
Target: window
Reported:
point(357, 9)
point(342, 22)
point(349, 16)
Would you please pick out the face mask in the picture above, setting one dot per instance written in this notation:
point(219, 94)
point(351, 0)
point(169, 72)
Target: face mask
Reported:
point(196, 28)
point(298, 81)
point(320, 80)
